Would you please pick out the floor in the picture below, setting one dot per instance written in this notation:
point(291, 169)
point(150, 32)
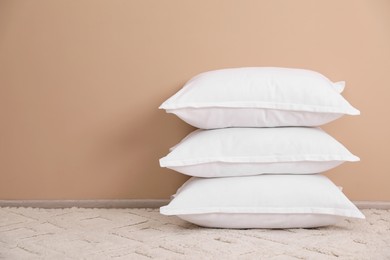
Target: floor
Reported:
point(77, 233)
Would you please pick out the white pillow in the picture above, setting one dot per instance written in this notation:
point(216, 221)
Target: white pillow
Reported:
point(259, 97)
point(251, 151)
point(339, 86)
point(266, 201)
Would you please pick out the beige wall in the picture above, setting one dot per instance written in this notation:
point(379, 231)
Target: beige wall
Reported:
point(80, 83)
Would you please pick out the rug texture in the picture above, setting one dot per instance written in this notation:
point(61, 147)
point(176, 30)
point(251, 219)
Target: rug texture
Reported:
point(77, 233)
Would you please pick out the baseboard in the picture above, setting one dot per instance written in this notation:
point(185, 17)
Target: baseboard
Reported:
point(130, 203)
point(372, 204)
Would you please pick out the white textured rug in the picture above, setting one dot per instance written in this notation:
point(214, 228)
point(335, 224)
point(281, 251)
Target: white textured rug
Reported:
point(77, 233)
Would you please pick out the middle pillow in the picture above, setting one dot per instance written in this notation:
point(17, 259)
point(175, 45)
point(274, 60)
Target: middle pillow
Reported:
point(252, 151)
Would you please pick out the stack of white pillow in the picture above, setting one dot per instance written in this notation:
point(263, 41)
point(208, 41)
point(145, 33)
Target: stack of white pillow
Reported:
point(256, 157)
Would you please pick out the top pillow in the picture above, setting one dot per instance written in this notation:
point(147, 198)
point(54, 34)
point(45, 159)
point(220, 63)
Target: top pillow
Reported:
point(259, 97)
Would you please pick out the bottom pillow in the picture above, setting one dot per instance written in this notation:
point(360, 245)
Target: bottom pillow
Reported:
point(250, 220)
point(264, 201)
